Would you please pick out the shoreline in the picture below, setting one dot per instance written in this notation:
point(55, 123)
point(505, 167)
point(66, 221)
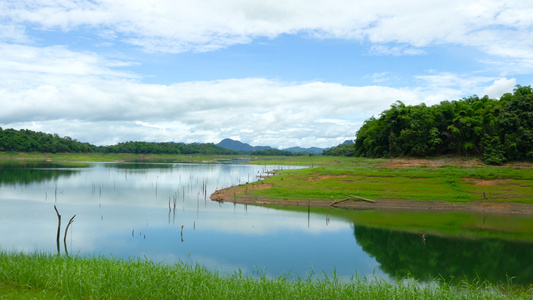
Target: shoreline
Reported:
point(236, 194)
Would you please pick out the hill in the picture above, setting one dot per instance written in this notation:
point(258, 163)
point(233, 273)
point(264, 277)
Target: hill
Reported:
point(244, 147)
point(240, 146)
point(497, 130)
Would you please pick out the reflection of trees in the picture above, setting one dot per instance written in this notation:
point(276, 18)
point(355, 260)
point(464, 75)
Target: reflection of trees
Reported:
point(31, 172)
point(404, 254)
point(140, 167)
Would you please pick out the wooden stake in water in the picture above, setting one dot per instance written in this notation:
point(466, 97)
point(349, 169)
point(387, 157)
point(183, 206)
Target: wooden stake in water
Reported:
point(66, 229)
point(65, 236)
point(58, 228)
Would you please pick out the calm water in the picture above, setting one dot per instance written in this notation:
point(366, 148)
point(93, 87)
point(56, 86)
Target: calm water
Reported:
point(122, 210)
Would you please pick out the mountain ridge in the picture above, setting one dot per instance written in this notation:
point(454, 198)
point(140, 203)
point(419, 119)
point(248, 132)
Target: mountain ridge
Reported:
point(245, 147)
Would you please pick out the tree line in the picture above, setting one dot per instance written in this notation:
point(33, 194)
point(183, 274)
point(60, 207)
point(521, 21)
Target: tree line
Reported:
point(276, 152)
point(166, 148)
point(24, 140)
point(497, 130)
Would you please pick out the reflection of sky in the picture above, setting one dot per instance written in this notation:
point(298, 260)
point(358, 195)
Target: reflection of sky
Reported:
point(124, 212)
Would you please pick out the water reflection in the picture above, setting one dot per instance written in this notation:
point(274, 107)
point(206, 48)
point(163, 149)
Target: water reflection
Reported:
point(162, 211)
point(12, 172)
point(425, 257)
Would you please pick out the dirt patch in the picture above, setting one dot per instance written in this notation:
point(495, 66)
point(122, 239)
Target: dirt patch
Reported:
point(225, 195)
point(446, 161)
point(327, 176)
point(477, 181)
point(432, 163)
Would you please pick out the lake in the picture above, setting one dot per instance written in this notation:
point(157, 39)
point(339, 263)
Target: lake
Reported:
point(162, 212)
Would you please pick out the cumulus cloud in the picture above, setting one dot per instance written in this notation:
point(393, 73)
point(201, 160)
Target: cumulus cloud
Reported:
point(252, 108)
point(394, 50)
point(45, 87)
point(498, 28)
point(499, 87)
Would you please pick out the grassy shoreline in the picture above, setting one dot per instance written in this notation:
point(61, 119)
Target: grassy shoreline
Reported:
point(45, 276)
point(423, 181)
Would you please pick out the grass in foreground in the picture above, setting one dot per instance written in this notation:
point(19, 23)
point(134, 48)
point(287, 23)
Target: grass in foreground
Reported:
point(43, 276)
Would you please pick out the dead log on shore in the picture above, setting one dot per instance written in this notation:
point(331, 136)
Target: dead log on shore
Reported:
point(354, 198)
point(340, 201)
point(363, 199)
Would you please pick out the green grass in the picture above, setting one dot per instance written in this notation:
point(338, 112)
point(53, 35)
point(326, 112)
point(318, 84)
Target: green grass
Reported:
point(370, 178)
point(42, 276)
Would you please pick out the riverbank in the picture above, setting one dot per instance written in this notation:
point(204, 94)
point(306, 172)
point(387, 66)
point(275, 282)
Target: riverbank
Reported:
point(442, 184)
point(44, 276)
point(112, 157)
point(238, 194)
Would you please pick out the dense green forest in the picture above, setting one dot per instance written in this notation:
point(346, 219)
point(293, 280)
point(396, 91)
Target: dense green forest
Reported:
point(166, 148)
point(24, 140)
point(30, 141)
point(496, 130)
point(345, 149)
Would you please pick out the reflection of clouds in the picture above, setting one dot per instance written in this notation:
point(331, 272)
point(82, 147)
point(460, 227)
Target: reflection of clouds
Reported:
point(222, 237)
point(260, 221)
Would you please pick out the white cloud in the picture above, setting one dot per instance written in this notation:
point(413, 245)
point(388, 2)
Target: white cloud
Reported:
point(451, 86)
point(499, 87)
point(499, 28)
point(379, 77)
point(45, 87)
point(27, 66)
point(254, 108)
point(394, 50)
point(40, 91)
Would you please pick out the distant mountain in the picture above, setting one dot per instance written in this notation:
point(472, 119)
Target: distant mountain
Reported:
point(240, 146)
point(244, 147)
point(348, 142)
point(313, 150)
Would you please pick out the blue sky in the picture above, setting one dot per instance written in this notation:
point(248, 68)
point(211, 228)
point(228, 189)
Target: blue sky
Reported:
point(278, 73)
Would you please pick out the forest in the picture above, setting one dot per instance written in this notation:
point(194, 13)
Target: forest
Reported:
point(24, 140)
point(166, 148)
point(31, 141)
point(496, 130)
point(275, 152)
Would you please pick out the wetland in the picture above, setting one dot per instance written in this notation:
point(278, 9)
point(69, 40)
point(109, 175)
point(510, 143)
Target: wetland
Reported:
point(162, 212)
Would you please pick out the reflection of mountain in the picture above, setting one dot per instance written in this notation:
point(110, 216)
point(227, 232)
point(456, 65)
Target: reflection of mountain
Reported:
point(406, 254)
point(31, 172)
